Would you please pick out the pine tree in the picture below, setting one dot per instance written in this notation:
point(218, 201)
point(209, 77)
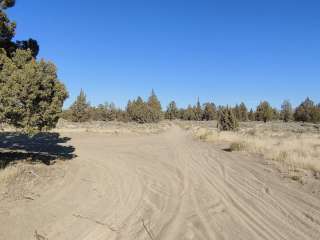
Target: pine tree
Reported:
point(286, 111)
point(209, 112)
point(264, 112)
point(172, 111)
point(227, 120)
point(80, 109)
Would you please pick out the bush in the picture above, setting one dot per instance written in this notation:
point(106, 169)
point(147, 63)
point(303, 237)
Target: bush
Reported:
point(172, 111)
point(227, 121)
point(209, 112)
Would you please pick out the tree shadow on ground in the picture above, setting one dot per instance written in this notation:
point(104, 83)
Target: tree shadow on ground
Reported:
point(43, 147)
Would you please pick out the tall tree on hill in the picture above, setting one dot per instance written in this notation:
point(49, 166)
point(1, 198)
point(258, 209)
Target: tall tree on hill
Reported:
point(286, 111)
point(80, 109)
point(251, 115)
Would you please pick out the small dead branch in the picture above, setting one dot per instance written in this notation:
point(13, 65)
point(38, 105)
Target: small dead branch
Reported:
point(38, 236)
point(147, 230)
point(95, 221)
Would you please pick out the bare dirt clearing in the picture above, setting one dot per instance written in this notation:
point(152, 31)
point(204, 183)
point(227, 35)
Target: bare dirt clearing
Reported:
point(160, 186)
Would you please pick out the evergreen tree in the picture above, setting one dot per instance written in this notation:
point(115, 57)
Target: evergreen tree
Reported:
point(264, 112)
point(304, 111)
point(155, 108)
point(80, 109)
point(243, 112)
point(172, 111)
point(227, 120)
point(286, 111)
point(251, 115)
point(209, 112)
point(189, 114)
point(31, 96)
point(198, 111)
point(236, 112)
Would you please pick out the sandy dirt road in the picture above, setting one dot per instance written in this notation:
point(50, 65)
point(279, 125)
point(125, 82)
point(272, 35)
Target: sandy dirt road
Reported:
point(165, 186)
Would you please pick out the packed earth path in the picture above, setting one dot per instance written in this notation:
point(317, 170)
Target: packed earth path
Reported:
point(162, 186)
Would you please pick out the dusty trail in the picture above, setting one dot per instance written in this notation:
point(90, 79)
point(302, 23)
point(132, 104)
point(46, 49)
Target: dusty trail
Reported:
point(165, 186)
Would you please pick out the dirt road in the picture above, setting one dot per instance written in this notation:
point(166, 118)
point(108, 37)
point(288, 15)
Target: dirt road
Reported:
point(165, 186)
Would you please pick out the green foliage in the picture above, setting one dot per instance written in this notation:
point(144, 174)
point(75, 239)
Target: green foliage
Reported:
point(172, 111)
point(264, 112)
point(104, 112)
point(139, 111)
point(31, 96)
point(209, 112)
point(7, 3)
point(286, 111)
point(227, 120)
point(80, 109)
point(154, 106)
point(189, 114)
point(307, 112)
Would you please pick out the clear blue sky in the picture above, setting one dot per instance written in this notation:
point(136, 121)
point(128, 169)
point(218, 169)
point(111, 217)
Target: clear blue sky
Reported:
point(223, 51)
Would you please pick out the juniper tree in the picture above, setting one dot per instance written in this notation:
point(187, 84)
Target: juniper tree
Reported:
point(304, 111)
point(227, 120)
point(209, 112)
point(188, 114)
point(155, 108)
point(197, 111)
point(243, 112)
point(172, 111)
point(264, 112)
point(286, 111)
point(31, 96)
point(80, 109)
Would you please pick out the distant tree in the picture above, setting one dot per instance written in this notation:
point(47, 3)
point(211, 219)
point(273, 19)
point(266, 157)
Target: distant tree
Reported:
point(197, 111)
point(304, 111)
point(172, 111)
point(286, 111)
point(236, 112)
point(264, 112)
point(140, 112)
point(251, 115)
point(227, 120)
point(243, 112)
point(155, 107)
point(80, 109)
point(209, 112)
point(189, 114)
point(31, 96)
point(276, 114)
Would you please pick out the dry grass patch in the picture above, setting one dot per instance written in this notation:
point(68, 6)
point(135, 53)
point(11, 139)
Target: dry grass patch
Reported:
point(294, 144)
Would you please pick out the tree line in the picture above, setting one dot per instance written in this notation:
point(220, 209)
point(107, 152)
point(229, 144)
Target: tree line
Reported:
point(150, 111)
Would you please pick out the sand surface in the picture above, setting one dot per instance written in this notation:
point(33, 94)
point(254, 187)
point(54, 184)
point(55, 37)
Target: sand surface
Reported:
point(161, 186)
